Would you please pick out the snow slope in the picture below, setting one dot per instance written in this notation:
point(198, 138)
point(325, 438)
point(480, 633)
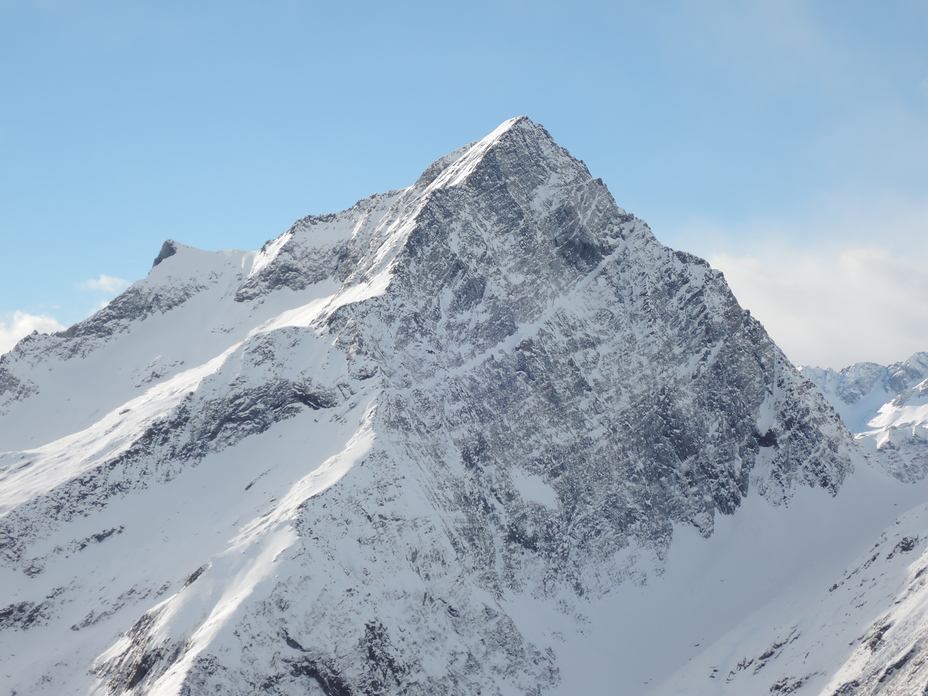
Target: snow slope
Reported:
point(483, 435)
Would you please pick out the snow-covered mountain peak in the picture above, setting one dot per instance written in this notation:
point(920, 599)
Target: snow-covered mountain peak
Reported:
point(455, 166)
point(186, 264)
point(912, 370)
point(527, 218)
point(514, 140)
point(350, 462)
point(169, 248)
point(519, 155)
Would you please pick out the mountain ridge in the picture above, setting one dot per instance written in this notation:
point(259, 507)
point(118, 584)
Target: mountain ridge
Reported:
point(396, 425)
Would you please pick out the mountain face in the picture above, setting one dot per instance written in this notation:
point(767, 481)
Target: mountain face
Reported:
point(427, 445)
point(886, 407)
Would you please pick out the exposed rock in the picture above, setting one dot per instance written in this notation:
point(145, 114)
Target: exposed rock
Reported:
point(494, 384)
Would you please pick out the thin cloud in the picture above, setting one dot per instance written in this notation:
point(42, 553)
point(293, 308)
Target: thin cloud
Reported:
point(22, 324)
point(845, 283)
point(834, 308)
point(105, 283)
point(770, 44)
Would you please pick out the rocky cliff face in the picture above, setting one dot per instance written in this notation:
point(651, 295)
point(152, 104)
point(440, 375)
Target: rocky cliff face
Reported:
point(335, 465)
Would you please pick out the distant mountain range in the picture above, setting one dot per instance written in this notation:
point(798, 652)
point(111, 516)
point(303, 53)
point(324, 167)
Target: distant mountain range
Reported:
point(887, 409)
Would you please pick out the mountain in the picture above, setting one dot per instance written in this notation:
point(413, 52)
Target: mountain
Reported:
point(482, 435)
point(886, 407)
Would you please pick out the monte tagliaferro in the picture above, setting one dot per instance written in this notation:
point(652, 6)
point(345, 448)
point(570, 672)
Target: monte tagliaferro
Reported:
point(481, 435)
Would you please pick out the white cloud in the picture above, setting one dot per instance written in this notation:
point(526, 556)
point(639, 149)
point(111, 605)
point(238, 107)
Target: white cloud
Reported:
point(835, 307)
point(22, 324)
point(105, 283)
point(844, 283)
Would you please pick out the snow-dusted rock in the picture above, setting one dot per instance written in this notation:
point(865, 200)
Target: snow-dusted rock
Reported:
point(409, 448)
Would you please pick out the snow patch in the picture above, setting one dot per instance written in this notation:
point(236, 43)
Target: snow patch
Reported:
point(533, 488)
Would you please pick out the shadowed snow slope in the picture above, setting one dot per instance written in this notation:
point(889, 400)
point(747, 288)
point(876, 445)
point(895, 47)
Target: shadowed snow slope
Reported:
point(481, 435)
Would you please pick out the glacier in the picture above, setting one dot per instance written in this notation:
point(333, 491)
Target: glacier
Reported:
point(481, 435)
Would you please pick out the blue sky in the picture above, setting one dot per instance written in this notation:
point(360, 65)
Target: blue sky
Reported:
point(786, 141)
